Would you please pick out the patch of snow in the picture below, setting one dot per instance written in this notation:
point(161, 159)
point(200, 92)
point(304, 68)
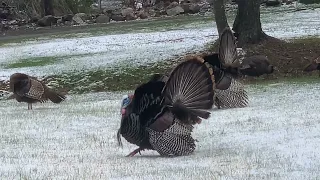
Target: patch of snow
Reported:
point(275, 137)
point(134, 49)
point(104, 51)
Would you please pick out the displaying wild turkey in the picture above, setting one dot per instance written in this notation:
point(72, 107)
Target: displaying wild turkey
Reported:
point(28, 89)
point(229, 92)
point(314, 65)
point(160, 115)
point(256, 66)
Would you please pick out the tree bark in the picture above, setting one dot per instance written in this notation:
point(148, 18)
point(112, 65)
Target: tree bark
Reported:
point(247, 25)
point(220, 15)
point(48, 7)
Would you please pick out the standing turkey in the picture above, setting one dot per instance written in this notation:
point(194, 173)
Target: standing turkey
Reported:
point(256, 66)
point(30, 90)
point(160, 115)
point(229, 92)
point(314, 65)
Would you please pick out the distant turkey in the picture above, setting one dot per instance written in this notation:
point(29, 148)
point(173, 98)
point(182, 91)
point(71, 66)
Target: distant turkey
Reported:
point(256, 66)
point(30, 90)
point(161, 113)
point(314, 65)
point(229, 92)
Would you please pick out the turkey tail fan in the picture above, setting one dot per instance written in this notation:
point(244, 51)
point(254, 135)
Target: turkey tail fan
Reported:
point(227, 47)
point(55, 97)
point(233, 97)
point(189, 90)
point(159, 77)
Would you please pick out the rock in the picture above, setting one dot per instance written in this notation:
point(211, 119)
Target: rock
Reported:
point(107, 11)
point(194, 8)
point(131, 17)
point(78, 20)
point(151, 12)
point(13, 22)
point(186, 7)
point(142, 14)
point(127, 12)
point(273, 3)
point(157, 14)
point(174, 11)
point(81, 18)
point(103, 19)
point(68, 23)
point(59, 21)
point(191, 8)
point(34, 19)
point(173, 5)
point(47, 21)
point(67, 17)
point(118, 17)
point(139, 5)
point(288, 2)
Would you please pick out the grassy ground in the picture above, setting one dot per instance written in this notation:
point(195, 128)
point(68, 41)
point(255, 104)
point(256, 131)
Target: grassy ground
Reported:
point(275, 137)
point(152, 25)
point(124, 78)
point(288, 57)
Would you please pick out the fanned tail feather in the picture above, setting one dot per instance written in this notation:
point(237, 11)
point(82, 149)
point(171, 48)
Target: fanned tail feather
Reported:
point(55, 97)
point(227, 47)
point(233, 97)
point(189, 90)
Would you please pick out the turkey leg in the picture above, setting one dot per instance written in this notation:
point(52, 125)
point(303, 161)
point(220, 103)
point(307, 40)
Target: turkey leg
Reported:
point(29, 106)
point(135, 152)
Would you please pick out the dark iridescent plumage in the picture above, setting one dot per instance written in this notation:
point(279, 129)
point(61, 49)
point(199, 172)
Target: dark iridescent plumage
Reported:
point(314, 65)
point(161, 114)
point(256, 66)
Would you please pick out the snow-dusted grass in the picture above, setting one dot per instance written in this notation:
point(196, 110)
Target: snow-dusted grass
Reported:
point(276, 137)
point(135, 49)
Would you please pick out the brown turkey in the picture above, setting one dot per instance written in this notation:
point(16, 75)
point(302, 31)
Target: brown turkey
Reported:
point(229, 92)
point(161, 113)
point(30, 90)
point(256, 66)
point(314, 65)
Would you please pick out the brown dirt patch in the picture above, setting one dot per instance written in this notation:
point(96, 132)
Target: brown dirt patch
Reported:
point(289, 58)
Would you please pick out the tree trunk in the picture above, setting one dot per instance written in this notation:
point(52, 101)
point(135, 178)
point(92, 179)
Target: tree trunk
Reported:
point(100, 5)
point(247, 25)
point(220, 15)
point(48, 7)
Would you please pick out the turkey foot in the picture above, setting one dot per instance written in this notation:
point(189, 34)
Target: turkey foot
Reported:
point(135, 152)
